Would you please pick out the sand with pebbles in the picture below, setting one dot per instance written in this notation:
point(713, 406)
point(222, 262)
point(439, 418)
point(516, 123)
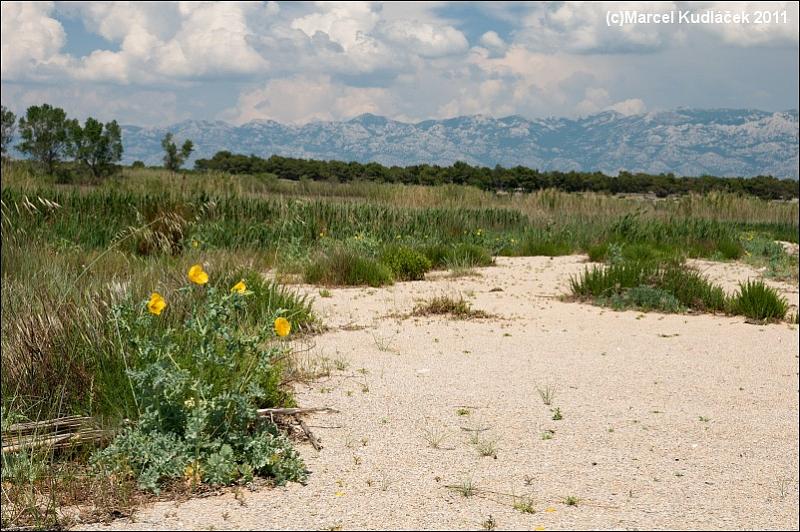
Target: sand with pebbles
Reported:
point(668, 421)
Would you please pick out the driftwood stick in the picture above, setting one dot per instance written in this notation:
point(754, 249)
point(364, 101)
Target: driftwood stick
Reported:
point(294, 411)
point(49, 425)
point(310, 435)
point(55, 441)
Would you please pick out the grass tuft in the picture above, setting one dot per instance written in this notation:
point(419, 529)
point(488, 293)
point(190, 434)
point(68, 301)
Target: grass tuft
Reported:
point(759, 302)
point(344, 267)
point(447, 305)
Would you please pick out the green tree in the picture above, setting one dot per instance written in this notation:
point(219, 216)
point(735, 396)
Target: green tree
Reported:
point(95, 145)
point(9, 126)
point(174, 159)
point(45, 135)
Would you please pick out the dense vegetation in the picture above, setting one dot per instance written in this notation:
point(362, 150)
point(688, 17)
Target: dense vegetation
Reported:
point(518, 178)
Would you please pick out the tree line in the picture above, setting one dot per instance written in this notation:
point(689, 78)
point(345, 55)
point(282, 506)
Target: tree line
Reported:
point(518, 178)
point(48, 137)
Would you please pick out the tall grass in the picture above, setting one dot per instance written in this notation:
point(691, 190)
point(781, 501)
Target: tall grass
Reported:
point(673, 287)
point(758, 301)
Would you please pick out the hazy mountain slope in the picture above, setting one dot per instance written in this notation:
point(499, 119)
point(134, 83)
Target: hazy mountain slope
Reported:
point(724, 142)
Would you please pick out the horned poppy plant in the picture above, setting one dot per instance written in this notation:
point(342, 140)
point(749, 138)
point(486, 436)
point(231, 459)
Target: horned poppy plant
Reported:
point(197, 275)
point(156, 304)
point(282, 327)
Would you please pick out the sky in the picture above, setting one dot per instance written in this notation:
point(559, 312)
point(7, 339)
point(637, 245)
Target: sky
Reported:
point(157, 63)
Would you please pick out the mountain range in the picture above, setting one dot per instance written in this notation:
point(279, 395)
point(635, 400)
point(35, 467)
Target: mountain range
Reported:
point(686, 142)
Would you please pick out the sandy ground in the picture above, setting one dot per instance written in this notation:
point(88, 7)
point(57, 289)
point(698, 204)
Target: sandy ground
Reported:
point(669, 421)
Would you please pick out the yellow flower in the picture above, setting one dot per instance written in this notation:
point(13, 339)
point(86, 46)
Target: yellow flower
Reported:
point(550, 510)
point(197, 275)
point(156, 304)
point(282, 327)
point(340, 494)
point(195, 244)
point(239, 288)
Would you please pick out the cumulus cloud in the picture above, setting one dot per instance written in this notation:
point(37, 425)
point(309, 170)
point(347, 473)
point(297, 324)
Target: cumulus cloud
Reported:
point(171, 41)
point(330, 60)
point(580, 27)
point(631, 106)
point(305, 99)
point(493, 41)
point(775, 31)
point(31, 40)
point(427, 40)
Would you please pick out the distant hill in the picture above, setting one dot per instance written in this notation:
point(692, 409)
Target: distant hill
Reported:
point(687, 142)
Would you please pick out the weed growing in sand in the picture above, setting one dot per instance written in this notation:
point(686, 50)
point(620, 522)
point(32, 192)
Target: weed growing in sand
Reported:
point(704, 419)
point(463, 412)
point(484, 446)
point(324, 292)
point(557, 416)
point(524, 505)
point(571, 500)
point(489, 523)
point(466, 488)
point(383, 341)
point(548, 434)
point(434, 436)
point(447, 305)
point(547, 394)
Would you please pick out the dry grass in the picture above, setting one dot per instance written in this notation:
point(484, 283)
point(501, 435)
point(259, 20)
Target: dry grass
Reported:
point(458, 308)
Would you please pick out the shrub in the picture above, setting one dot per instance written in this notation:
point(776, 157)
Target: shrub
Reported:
point(407, 264)
point(343, 267)
point(198, 387)
point(137, 164)
point(759, 302)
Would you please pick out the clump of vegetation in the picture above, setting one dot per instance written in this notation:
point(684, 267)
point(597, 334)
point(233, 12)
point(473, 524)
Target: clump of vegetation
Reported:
point(448, 305)
point(524, 505)
point(461, 256)
point(571, 500)
point(764, 252)
point(407, 264)
point(197, 388)
point(758, 301)
point(648, 285)
point(345, 267)
point(645, 298)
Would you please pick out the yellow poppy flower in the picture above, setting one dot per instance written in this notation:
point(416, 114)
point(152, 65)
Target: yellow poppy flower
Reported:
point(239, 288)
point(282, 327)
point(197, 275)
point(156, 304)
